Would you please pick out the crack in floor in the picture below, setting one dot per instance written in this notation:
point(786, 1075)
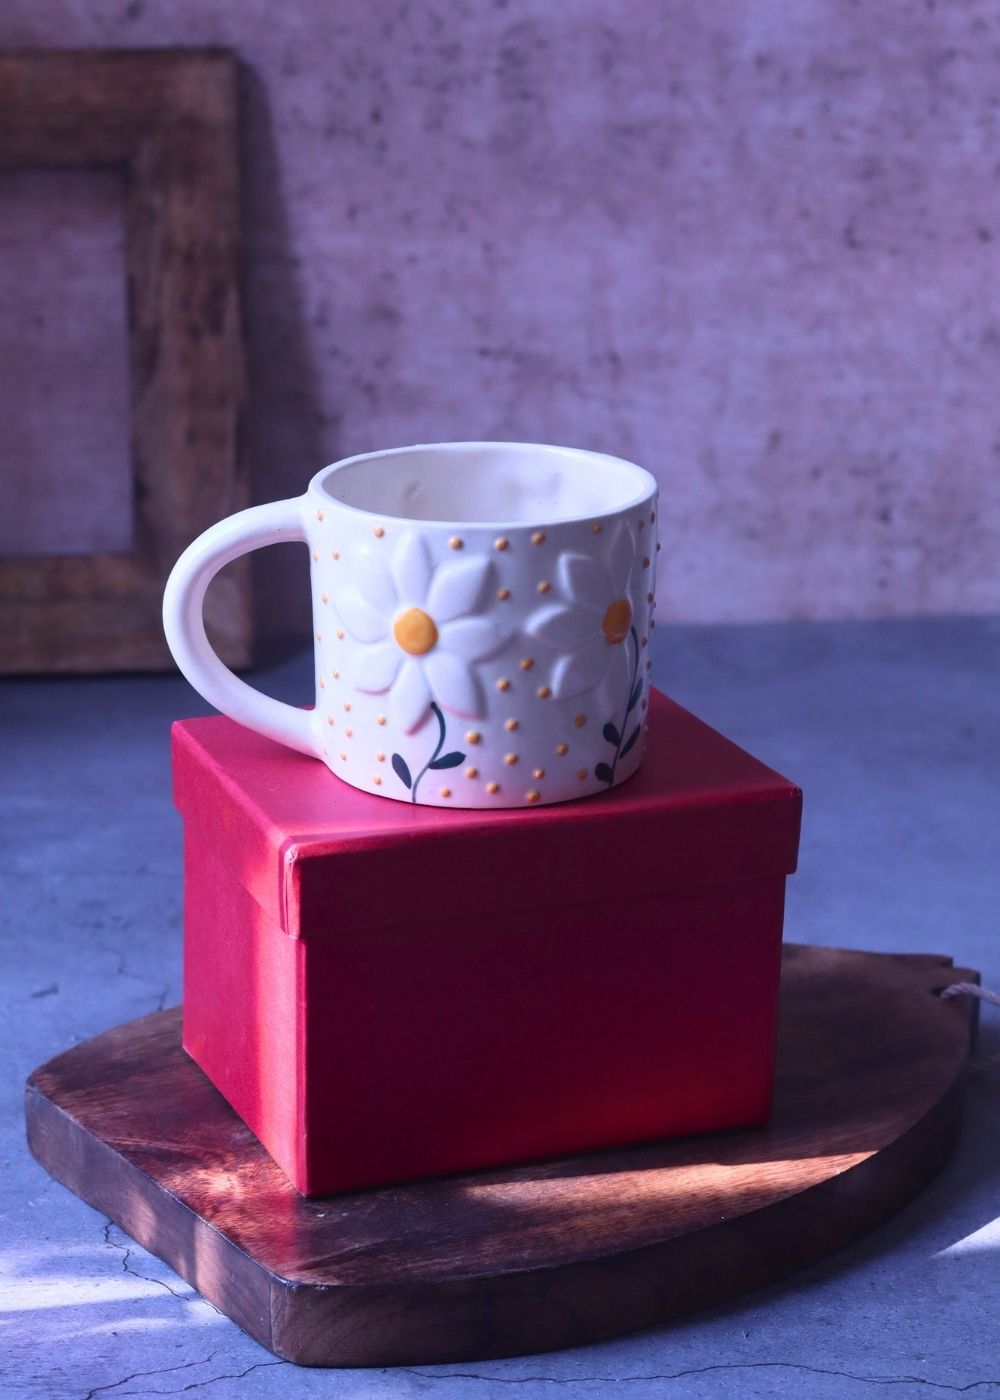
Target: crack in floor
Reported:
point(184, 1366)
point(141, 1375)
point(698, 1371)
point(225, 1376)
point(127, 1267)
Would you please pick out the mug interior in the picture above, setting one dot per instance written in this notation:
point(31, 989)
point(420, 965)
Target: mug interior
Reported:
point(499, 483)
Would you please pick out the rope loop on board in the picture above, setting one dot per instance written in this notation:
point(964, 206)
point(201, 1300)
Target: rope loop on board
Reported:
point(973, 989)
point(970, 989)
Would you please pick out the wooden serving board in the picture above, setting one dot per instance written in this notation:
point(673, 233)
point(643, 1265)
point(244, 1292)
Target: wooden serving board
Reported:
point(529, 1258)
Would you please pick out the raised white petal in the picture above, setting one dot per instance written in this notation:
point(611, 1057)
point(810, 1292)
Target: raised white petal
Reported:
point(586, 581)
point(455, 684)
point(621, 556)
point(410, 701)
point(473, 638)
point(365, 623)
point(573, 674)
point(562, 627)
point(459, 589)
point(371, 571)
point(376, 667)
point(411, 570)
point(617, 680)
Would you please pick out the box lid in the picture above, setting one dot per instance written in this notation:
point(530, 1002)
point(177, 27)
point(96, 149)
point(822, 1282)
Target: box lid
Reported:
point(322, 858)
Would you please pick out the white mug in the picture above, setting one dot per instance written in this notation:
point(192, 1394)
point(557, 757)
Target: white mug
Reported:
point(482, 617)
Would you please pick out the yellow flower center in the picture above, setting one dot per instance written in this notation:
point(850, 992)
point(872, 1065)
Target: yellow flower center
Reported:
point(617, 621)
point(416, 631)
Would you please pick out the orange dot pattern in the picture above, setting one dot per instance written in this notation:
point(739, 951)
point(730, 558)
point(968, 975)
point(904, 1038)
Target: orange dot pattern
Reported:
point(503, 684)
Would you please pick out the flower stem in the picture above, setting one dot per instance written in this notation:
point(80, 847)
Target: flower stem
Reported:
point(440, 745)
point(628, 703)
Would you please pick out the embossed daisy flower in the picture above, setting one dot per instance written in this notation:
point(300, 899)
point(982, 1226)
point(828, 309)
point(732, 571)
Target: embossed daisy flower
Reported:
point(422, 629)
point(591, 626)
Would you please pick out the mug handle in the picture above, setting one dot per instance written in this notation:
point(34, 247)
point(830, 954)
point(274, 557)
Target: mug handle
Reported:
point(184, 623)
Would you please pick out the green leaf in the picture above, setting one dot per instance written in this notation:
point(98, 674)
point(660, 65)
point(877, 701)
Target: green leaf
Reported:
point(603, 772)
point(448, 760)
point(402, 772)
point(611, 734)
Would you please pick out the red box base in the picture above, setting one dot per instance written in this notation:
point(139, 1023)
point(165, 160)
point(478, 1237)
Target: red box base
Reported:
point(491, 1030)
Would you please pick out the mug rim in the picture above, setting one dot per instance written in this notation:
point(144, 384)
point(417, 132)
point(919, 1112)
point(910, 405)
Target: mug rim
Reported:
point(318, 484)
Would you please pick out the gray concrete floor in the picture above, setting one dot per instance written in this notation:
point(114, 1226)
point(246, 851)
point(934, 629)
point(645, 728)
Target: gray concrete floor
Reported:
point(893, 730)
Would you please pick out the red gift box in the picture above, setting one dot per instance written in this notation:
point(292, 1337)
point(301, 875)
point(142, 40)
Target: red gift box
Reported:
point(385, 991)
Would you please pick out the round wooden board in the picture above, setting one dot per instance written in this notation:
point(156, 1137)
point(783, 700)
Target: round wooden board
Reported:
point(529, 1258)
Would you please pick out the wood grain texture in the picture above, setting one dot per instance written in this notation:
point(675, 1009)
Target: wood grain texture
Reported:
point(168, 119)
point(535, 1257)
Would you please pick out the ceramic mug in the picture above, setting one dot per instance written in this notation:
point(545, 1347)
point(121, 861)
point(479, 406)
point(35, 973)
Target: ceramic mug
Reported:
point(482, 616)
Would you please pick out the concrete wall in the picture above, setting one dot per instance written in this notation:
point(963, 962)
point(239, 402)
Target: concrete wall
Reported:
point(753, 246)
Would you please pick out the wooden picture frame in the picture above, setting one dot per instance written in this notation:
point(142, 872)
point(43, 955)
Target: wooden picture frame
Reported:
point(168, 120)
